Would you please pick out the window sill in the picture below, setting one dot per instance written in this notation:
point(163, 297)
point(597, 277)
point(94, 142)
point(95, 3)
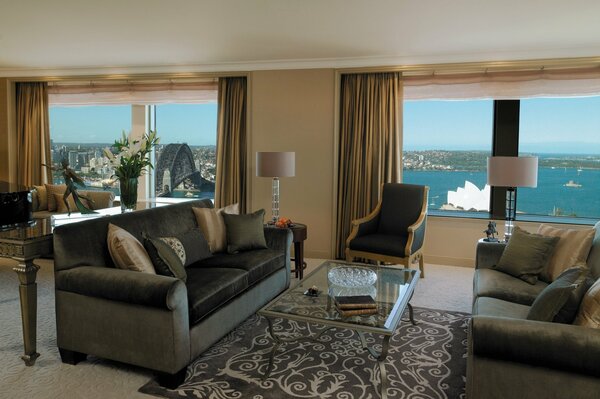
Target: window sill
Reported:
point(520, 217)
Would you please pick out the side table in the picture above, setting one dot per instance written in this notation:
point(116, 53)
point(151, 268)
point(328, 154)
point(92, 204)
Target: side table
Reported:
point(300, 234)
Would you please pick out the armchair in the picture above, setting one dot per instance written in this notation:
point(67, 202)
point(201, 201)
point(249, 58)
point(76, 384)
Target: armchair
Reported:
point(395, 231)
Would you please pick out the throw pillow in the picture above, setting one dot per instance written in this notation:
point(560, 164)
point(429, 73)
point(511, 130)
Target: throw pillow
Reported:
point(166, 260)
point(60, 204)
point(245, 232)
point(52, 189)
point(568, 312)
point(589, 311)
point(211, 223)
point(572, 248)
point(551, 300)
point(526, 255)
point(42, 198)
point(127, 252)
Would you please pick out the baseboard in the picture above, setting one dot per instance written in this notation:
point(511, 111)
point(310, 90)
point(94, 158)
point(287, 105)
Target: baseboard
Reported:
point(450, 261)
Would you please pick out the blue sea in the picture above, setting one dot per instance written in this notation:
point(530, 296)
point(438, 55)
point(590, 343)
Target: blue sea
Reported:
point(550, 195)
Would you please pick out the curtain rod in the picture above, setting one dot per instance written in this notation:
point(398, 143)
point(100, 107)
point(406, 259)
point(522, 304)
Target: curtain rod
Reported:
point(131, 82)
point(133, 77)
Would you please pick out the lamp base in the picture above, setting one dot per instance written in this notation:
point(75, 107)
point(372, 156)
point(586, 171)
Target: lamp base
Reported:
point(275, 201)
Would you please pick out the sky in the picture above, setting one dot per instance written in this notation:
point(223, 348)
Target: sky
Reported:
point(547, 125)
point(194, 124)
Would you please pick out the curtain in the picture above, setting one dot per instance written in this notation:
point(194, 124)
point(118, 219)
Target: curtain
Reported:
point(370, 145)
point(33, 134)
point(145, 92)
point(231, 184)
point(503, 85)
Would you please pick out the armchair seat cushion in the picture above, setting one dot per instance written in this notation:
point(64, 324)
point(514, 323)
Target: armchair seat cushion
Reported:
point(209, 288)
point(496, 284)
point(259, 263)
point(485, 306)
point(384, 244)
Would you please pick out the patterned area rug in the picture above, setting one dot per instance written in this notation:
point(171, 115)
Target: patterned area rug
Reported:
point(425, 361)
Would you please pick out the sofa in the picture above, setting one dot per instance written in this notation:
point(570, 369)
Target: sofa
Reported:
point(512, 357)
point(40, 200)
point(151, 320)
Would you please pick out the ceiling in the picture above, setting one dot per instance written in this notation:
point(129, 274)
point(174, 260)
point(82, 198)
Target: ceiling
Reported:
point(136, 36)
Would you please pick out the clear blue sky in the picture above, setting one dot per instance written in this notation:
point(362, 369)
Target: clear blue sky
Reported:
point(195, 124)
point(555, 125)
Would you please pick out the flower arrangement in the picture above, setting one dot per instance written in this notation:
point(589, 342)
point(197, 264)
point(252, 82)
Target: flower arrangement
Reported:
point(129, 163)
point(131, 158)
point(283, 223)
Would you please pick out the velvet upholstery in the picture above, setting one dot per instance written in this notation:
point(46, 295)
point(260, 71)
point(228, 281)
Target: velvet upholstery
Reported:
point(385, 244)
point(144, 319)
point(485, 306)
point(400, 207)
point(496, 284)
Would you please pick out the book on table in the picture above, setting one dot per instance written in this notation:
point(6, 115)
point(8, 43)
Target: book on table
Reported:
point(355, 302)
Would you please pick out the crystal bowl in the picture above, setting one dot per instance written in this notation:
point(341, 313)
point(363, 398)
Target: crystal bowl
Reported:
point(351, 276)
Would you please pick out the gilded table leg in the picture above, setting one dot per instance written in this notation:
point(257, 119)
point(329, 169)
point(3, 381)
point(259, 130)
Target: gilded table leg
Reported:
point(27, 272)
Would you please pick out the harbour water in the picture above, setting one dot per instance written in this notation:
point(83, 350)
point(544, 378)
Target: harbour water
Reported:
point(550, 197)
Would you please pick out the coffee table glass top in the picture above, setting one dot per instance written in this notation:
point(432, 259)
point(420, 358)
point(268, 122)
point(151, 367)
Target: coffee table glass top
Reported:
point(392, 291)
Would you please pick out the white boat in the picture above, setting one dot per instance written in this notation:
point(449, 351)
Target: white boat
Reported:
point(571, 183)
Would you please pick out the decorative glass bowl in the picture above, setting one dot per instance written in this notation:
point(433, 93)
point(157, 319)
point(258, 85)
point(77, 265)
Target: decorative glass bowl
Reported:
point(351, 276)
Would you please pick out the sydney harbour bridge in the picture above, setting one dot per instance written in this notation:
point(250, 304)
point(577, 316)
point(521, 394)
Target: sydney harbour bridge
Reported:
point(175, 166)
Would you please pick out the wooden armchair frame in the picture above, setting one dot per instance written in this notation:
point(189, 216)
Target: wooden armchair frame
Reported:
point(410, 257)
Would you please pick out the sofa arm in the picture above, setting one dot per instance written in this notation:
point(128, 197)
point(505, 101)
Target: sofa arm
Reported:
point(488, 254)
point(123, 285)
point(552, 345)
point(278, 239)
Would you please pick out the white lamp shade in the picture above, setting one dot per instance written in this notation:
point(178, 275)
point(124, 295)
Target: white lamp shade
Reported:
point(512, 171)
point(275, 164)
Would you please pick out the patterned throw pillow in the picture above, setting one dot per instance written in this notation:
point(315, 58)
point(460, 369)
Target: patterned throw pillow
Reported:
point(589, 310)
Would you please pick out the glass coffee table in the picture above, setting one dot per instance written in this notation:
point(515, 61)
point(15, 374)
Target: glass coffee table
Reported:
point(391, 291)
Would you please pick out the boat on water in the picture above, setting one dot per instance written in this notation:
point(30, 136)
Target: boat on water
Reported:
point(571, 183)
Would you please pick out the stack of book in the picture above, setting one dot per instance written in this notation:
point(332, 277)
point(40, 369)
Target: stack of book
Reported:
point(355, 305)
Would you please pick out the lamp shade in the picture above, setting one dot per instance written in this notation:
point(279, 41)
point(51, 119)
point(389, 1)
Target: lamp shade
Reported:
point(275, 164)
point(512, 171)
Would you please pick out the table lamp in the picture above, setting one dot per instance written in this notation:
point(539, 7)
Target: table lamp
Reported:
point(275, 165)
point(511, 172)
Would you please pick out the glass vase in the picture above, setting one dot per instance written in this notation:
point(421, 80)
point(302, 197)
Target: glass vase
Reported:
point(129, 190)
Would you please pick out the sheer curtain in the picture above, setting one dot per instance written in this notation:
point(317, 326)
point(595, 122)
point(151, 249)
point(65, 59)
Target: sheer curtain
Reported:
point(370, 145)
point(231, 184)
point(33, 134)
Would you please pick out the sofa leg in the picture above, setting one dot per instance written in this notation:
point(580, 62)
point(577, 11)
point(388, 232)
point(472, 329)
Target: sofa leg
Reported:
point(171, 381)
point(71, 357)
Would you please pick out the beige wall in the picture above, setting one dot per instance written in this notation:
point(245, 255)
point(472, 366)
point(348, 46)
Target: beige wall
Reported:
point(293, 110)
point(7, 131)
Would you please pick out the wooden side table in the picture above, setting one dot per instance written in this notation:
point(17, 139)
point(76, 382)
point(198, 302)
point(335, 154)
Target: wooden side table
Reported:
point(300, 234)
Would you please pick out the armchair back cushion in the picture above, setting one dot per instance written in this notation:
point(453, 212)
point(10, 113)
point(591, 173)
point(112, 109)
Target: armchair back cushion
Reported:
point(400, 207)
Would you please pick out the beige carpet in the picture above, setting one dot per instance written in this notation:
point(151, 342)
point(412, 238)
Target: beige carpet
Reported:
point(445, 287)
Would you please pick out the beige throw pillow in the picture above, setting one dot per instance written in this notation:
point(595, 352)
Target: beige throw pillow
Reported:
point(211, 223)
point(60, 204)
point(589, 310)
point(572, 248)
point(42, 198)
point(52, 189)
point(127, 252)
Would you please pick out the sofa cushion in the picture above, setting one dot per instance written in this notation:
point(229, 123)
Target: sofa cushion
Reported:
point(211, 223)
point(245, 232)
point(259, 263)
point(485, 306)
point(39, 199)
point(496, 284)
point(383, 244)
point(61, 207)
point(589, 310)
point(572, 249)
point(593, 260)
point(210, 288)
point(554, 296)
point(98, 199)
point(126, 251)
point(52, 189)
point(526, 255)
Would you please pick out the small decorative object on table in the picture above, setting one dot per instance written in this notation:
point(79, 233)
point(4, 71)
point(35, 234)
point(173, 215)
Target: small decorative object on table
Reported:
point(491, 232)
point(129, 162)
point(312, 291)
point(283, 223)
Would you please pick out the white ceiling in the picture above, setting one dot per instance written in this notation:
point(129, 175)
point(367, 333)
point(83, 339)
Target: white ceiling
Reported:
point(131, 36)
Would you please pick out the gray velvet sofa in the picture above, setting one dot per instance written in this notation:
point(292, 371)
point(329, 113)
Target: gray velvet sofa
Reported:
point(511, 357)
point(155, 321)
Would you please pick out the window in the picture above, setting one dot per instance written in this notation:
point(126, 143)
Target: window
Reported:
point(80, 135)
point(446, 145)
point(565, 135)
point(186, 156)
